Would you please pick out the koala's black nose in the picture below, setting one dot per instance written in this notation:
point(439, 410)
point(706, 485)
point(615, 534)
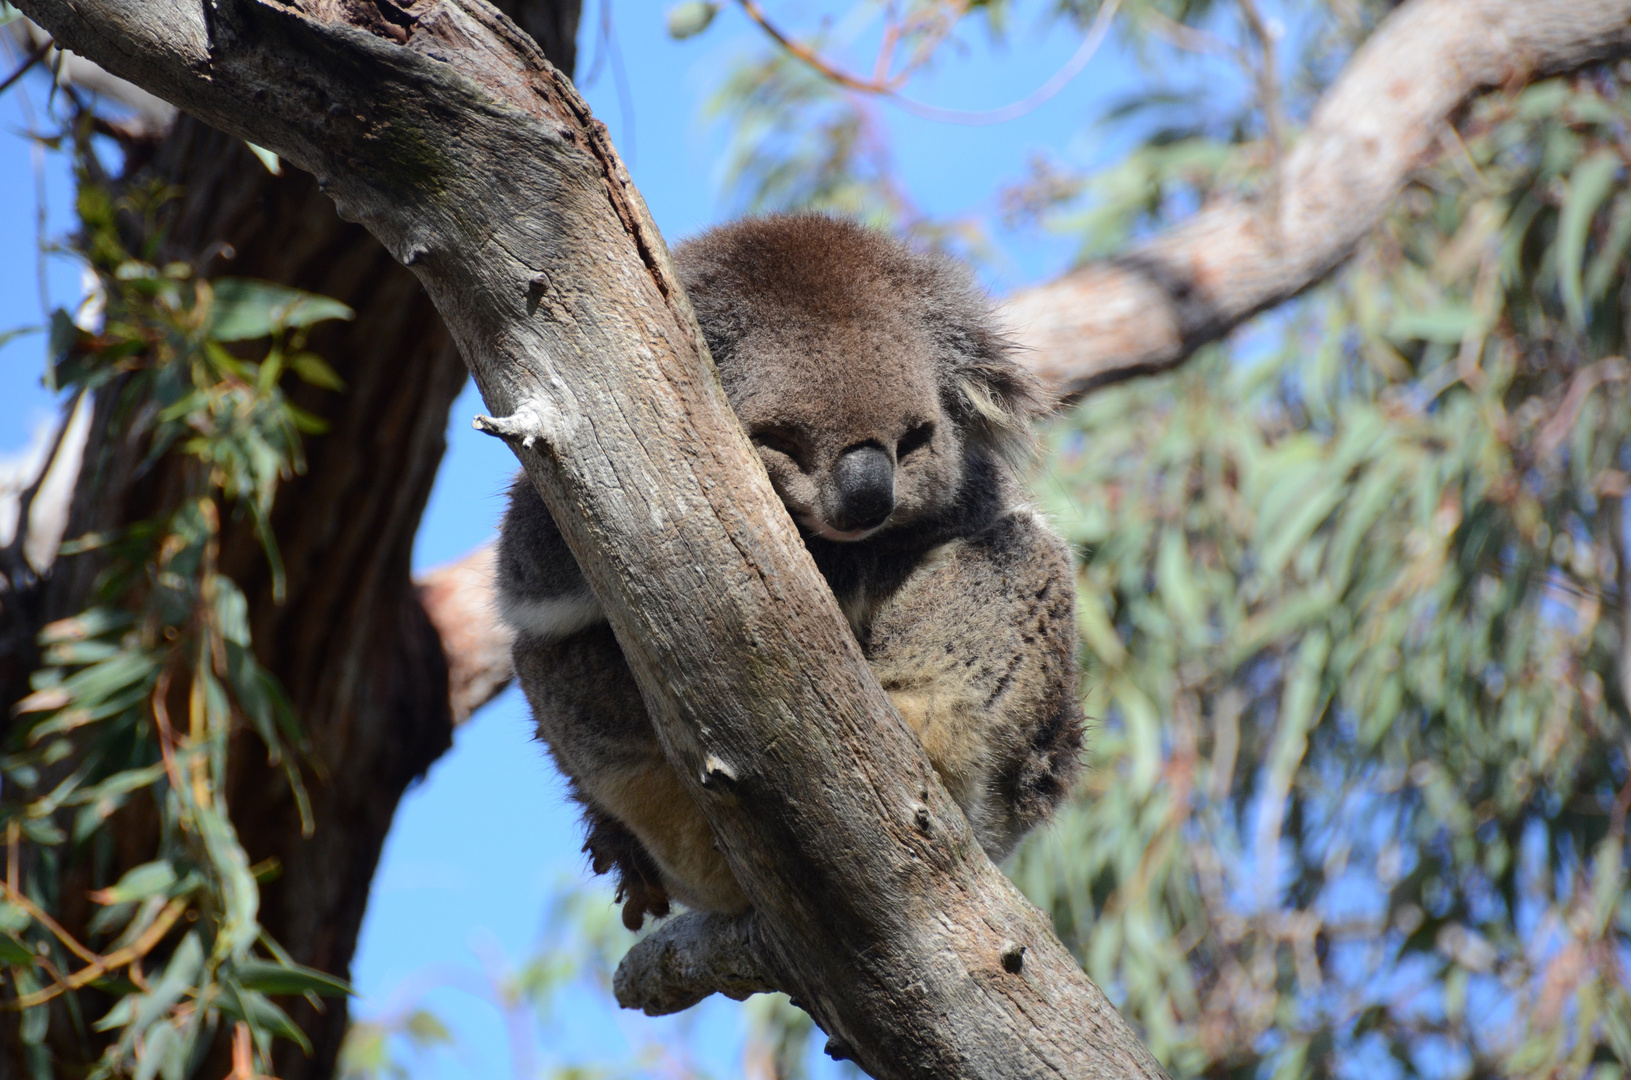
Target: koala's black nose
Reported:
point(865, 479)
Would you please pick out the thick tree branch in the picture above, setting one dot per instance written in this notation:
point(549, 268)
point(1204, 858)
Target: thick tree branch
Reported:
point(1147, 310)
point(459, 599)
point(445, 132)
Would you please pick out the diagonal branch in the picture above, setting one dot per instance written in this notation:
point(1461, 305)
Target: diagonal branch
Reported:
point(442, 129)
point(1147, 310)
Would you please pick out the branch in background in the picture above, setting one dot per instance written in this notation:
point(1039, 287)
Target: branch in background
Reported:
point(150, 116)
point(458, 597)
point(1146, 311)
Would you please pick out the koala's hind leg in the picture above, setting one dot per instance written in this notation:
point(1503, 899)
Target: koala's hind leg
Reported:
point(639, 816)
point(977, 650)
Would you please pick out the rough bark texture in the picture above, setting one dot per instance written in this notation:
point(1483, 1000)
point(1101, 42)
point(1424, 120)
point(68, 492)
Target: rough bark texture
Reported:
point(444, 131)
point(353, 645)
point(1147, 310)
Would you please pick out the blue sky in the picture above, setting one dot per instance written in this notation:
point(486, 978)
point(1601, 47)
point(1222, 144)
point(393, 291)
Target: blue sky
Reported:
point(482, 844)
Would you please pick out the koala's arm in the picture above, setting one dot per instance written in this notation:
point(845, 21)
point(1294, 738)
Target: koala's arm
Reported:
point(540, 589)
point(641, 823)
point(978, 652)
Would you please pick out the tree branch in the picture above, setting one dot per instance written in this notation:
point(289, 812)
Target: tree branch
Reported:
point(690, 957)
point(443, 130)
point(1147, 310)
point(458, 598)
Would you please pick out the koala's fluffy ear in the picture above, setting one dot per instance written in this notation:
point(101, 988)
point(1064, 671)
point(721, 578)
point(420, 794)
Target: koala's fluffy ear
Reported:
point(994, 398)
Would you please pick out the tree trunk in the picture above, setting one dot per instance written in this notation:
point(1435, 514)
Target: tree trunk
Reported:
point(443, 130)
point(352, 644)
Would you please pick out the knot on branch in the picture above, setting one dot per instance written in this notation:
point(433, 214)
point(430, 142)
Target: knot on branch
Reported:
point(528, 425)
point(690, 957)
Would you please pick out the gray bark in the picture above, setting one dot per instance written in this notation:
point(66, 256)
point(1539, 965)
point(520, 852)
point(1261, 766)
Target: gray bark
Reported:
point(448, 136)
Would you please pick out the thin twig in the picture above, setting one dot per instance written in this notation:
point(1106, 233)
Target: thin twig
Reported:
point(112, 962)
point(243, 1059)
point(167, 734)
point(1061, 78)
point(1186, 37)
point(51, 924)
point(886, 88)
point(886, 51)
point(1587, 379)
point(22, 69)
point(1268, 92)
point(809, 55)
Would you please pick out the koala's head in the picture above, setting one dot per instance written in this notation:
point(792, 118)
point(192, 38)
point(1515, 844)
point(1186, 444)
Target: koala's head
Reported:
point(869, 376)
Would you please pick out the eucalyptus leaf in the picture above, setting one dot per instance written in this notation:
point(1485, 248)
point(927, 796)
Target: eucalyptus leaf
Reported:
point(275, 978)
point(1590, 184)
point(245, 309)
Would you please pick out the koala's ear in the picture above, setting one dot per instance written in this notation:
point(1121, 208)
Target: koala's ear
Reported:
point(995, 398)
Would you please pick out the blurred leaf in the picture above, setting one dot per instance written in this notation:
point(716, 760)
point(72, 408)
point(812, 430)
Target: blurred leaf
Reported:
point(246, 309)
point(273, 978)
point(1591, 183)
point(690, 18)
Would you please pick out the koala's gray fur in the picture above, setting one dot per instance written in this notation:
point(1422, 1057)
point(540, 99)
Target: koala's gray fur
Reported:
point(889, 415)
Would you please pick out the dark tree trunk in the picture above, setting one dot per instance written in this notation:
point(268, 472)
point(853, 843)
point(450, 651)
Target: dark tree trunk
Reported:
point(352, 644)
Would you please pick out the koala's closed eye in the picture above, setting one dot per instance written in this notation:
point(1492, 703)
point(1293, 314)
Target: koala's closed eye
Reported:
point(779, 440)
point(915, 439)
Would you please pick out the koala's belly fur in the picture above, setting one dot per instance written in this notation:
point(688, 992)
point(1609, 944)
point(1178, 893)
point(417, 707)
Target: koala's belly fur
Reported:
point(975, 648)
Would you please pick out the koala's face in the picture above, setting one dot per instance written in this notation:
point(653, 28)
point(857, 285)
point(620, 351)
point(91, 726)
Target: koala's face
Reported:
point(849, 422)
point(867, 375)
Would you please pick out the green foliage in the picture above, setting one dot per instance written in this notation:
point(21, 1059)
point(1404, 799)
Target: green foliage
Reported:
point(137, 697)
point(798, 142)
point(1358, 635)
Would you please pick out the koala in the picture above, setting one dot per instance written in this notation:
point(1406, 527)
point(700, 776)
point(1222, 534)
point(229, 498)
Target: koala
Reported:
point(891, 417)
